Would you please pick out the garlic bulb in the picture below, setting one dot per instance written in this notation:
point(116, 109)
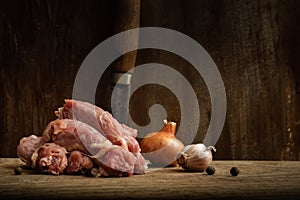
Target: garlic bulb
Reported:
point(196, 157)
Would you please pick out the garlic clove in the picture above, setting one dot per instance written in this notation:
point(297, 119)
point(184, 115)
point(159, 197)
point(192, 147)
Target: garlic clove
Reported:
point(196, 163)
point(195, 149)
point(196, 157)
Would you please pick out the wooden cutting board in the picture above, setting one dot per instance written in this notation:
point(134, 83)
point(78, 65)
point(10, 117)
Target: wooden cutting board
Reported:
point(257, 179)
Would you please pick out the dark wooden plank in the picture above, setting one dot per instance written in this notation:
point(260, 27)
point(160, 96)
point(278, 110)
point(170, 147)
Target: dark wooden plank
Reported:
point(42, 44)
point(257, 180)
point(255, 44)
point(290, 44)
point(250, 42)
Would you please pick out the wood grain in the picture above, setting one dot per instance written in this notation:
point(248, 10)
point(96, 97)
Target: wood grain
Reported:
point(257, 180)
point(42, 45)
point(255, 45)
point(251, 43)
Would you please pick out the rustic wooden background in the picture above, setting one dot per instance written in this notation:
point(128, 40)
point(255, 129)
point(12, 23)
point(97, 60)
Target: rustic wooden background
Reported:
point(255, 45)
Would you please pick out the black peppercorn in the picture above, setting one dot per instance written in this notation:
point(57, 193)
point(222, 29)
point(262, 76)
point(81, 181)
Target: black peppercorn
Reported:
point(210, 170)
point(234, 171)
point(18, 171)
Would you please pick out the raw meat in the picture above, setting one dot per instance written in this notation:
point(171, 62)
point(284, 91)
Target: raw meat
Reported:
point(76, 135)
point(103, 121)
point(115, 161)
point(78, 162)
point(95, 141)
point(27, 146)
point(129, 131)
point(140, 164)
point(73, 135)
point(50, 158)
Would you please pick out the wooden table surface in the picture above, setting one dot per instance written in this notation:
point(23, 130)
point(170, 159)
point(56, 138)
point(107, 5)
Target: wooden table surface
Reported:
point(257, 180)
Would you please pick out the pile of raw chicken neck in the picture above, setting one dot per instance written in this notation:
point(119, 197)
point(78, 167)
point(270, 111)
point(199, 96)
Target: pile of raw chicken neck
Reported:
point(83, 139)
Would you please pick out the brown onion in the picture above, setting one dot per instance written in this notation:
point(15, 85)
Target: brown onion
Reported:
point(162, 148)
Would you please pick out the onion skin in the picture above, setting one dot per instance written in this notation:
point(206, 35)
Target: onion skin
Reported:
point(162, 148)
